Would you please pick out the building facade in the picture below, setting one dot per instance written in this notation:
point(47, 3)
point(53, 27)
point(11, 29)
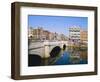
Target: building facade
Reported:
point(41, 34)
point(83, 36)
point(30, 32)
point(74, 34)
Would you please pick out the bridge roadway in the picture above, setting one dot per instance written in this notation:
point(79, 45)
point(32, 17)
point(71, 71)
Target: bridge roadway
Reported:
point(43, 48)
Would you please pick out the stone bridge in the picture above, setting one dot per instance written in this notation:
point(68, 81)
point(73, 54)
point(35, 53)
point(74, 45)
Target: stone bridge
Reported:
point(43, 48)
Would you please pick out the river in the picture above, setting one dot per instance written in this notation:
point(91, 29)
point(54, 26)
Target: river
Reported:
point(65, 57)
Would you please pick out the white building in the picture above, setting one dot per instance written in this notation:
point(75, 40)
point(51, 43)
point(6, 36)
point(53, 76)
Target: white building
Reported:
point(74, 34)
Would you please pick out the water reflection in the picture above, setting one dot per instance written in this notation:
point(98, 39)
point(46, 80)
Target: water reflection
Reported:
point(66, 57)
point(71, 57)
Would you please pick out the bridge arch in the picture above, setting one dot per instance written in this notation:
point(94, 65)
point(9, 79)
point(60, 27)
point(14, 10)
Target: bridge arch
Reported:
point(55, 51)
point(51, 47)
point(44, 48)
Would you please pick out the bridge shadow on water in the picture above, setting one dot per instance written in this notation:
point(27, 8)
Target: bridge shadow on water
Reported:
point(59, 56)
point(36, 60)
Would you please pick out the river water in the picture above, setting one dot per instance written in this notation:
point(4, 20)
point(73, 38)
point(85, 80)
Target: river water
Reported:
point(68, 57)
point(71, 57)
point(65, 57)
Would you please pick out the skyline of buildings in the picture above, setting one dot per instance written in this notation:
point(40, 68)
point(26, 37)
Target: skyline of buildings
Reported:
point(76, 34)
point(59, 24)
point(41, 34)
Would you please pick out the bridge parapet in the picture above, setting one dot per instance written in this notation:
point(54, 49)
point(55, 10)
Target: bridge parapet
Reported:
point(44, 48)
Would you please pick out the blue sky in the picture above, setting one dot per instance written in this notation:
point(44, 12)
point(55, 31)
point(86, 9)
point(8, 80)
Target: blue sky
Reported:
point(59, 24)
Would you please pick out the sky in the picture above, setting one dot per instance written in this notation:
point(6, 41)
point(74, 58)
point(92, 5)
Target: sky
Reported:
point(59, 24)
